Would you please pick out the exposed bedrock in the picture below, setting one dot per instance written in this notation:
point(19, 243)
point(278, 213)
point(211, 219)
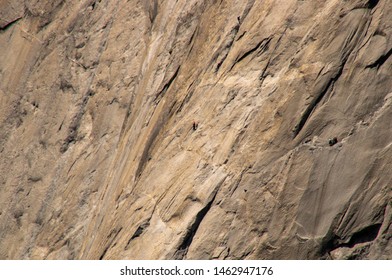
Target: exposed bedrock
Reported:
point(195, 129)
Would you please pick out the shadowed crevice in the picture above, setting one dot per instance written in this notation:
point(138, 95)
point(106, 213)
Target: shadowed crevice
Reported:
point(316, 100)
point(183, 248)
point(380, 61)
point(112, 236)
point(9, 24)
point(365, 235)
point(372, 4)
point(139, 231)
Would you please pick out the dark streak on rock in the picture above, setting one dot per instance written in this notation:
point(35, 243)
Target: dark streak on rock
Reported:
point(380, 61)
point(9, 24)
point(187, 97)
point(74, 126)
point(316, 100)
point(192, 40)
point(153, 11)
point(263, 44)
point(162, 92)
point(112, 236)
point(263, 73)
point(226, 48)
point(139, 231)
point(186, 242)
point(365, 235)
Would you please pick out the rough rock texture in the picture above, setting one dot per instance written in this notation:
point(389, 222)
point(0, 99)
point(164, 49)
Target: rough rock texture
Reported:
point(99, 158)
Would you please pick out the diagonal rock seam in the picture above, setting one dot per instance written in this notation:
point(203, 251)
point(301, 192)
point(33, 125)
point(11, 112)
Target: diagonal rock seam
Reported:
point(119, 119)
point(182, 249)
point(187, 241)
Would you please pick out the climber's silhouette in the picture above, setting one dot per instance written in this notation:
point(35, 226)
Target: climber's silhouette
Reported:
point(332, 141)
point(195, 125)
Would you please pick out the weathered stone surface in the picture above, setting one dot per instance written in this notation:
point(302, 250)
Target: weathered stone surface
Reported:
point(10, 12)
point(100, 158)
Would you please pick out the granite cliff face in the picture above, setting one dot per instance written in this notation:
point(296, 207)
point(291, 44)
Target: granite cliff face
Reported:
point(195, 129)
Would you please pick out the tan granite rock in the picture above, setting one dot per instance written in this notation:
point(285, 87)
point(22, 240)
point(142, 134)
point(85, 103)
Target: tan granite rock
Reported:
point(195, 129)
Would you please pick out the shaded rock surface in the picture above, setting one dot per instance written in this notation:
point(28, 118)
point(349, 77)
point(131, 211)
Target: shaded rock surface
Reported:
point(100, 158)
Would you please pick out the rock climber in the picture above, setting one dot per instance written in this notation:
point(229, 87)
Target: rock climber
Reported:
point(332, 141)
point(195, 124)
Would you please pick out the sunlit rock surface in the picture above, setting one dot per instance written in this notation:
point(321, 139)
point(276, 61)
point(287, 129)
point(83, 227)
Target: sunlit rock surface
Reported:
point(195, 129)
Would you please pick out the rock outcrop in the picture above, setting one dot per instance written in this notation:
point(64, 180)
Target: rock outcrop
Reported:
point(195, 129)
